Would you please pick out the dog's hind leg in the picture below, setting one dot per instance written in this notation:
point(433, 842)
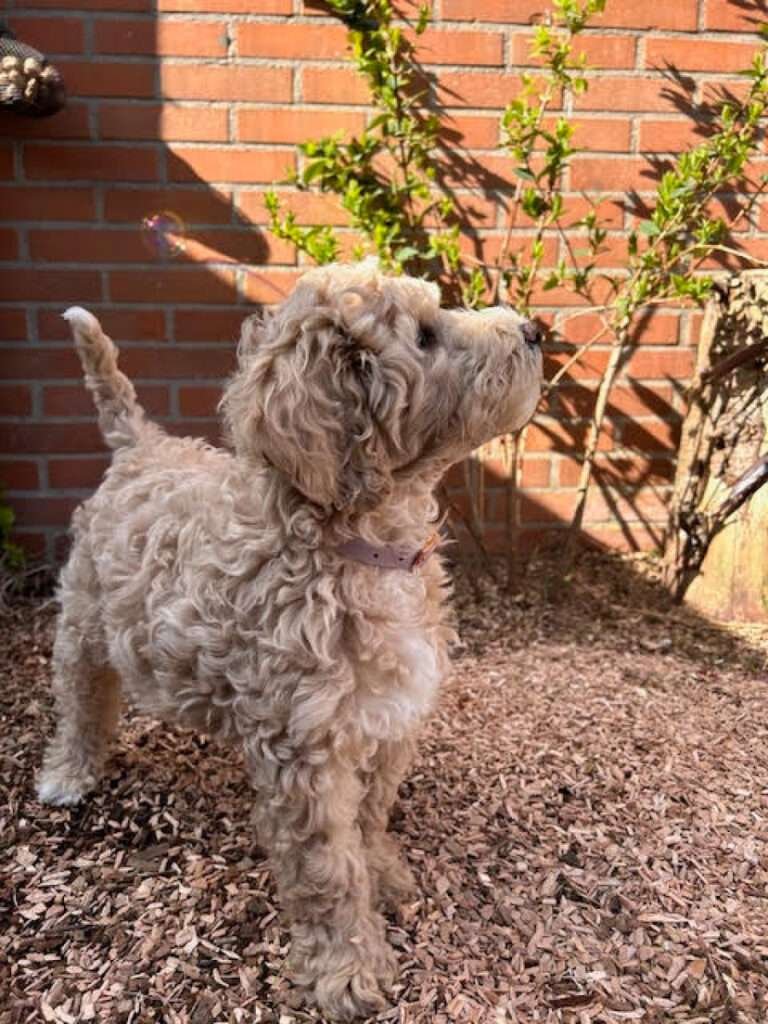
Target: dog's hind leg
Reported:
point(391, 877)
point(87, 692)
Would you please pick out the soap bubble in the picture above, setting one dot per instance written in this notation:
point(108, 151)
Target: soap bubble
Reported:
point(163, 234)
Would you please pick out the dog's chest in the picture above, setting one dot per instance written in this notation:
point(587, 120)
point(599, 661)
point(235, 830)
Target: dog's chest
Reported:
point(397, 688)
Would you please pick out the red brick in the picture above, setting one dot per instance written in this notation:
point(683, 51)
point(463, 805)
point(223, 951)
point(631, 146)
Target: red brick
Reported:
point(287, 125)
point(51, 35)
point(123, 323)
point(698, 54)
point(536, 472)
point(600, 51)
point(478, 89)
point(475, 132)
point(634, 400)
point(590, 367)
point(155, 121)
point(627, 92)
point(487, 248)
point(731, 17)
point(548, 507)
point(613, 175)
point(225, 84)
point(487, 172)
point(6, 161)
point(112, 78)
point(650, 364)
point(551, 435)
point(225, 6)
point(15, 400)
point(436, 46)
point(658, 328)
point(18, 474)
point(669, 136)
point(237, 245)
point(76, 401)
point(649, 505)
point(45, 438)
point(37, 285)
point(13, 324)
point(208, 325)
point(651, 435)
point(715, 91)
point(289, 42)
point(586, 326)
point(178, 363)
point(9, 244)
point(680, 15)
point(192, 205)
point(65, 245)
point(200, 401)
point(308, 207)
point(333, 85)
point(44, 511)
point(610, 212)
point(601, 134)
point(151, 36)
point(94, 162)
point(173, 284)
point(621, 469)
point(269, 286)
point(77, 474)
point(33, 362)
point(229, 163)
point(43, 203)
point(70, 123)
point(474, 211)
point(97, 5)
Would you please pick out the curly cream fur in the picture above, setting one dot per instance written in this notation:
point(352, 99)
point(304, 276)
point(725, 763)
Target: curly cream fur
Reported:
point(207, 584)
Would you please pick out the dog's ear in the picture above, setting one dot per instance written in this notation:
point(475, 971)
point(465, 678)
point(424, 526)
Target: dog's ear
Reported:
point(306, 398)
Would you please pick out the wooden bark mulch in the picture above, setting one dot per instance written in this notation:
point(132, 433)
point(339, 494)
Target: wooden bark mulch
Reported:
point(587, 819)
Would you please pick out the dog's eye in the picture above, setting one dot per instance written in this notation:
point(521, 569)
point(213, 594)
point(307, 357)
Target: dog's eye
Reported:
point(427, 338)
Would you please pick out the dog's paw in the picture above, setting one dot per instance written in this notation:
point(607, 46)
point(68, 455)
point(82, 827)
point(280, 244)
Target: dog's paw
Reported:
point(347, 978)
point(62, 792)
point(351, 996)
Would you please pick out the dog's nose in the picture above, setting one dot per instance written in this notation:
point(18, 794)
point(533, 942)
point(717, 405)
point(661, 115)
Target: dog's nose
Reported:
point(533, 333)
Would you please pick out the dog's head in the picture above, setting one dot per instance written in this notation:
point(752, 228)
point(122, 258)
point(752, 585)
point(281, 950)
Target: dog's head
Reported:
point(360, 379)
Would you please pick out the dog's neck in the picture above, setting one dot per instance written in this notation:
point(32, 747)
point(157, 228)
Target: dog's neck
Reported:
point(405, 518)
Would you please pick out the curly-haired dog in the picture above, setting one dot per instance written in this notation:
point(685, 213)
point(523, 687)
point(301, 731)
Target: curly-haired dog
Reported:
point(282, 595)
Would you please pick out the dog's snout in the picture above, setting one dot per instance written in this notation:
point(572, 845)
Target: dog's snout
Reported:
point(532, 332)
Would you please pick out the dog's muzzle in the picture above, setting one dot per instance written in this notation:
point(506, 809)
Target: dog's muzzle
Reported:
point(533, 333)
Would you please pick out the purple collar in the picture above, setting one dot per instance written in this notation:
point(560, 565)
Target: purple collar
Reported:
point(387, 556)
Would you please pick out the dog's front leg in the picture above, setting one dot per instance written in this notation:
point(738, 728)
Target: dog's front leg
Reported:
point(390, 875)
point(309, 823)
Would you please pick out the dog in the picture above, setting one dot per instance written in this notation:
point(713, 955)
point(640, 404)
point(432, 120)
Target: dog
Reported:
point(284, 595)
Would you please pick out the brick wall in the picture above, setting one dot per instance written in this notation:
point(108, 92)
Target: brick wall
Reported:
point(193, 107)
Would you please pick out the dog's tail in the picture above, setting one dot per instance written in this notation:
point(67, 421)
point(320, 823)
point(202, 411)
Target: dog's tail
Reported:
point(121, 418)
